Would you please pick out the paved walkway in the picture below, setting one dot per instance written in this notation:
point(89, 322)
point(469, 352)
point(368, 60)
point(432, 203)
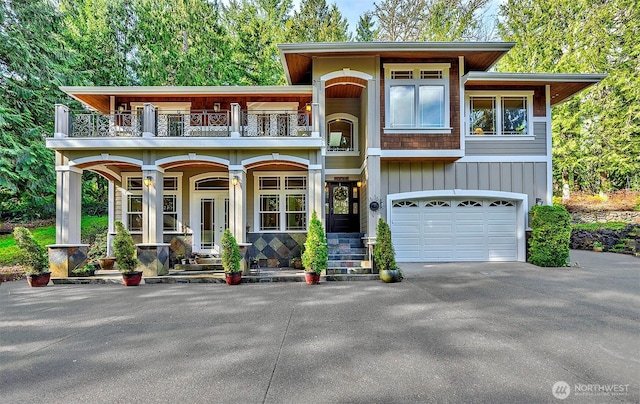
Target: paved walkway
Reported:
point(448, 333)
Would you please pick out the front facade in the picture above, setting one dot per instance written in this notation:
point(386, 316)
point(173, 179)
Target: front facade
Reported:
point(452, 156)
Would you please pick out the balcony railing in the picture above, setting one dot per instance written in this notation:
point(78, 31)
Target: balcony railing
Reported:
point(275, 124)
point(195, 123)
point(99, 125)
point(149, 122)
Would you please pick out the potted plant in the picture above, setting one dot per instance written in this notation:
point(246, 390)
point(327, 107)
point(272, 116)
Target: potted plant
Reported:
point(383, 254)
point(88, 269)
point(231, 258)
point(315, 256)
point(598, 246)
point(295, 262)
point(33, 257)
point(96, 237)
point(125, 251)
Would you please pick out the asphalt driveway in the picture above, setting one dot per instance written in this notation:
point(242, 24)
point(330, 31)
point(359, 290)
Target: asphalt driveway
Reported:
point(502, 332)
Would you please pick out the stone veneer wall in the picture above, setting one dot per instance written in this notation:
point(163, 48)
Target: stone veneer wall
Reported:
point(606, 216)
point(584, 239)
point(277, 248)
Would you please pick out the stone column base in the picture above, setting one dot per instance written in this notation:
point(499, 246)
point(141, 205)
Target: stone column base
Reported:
point(64, 258)
point(153, 259)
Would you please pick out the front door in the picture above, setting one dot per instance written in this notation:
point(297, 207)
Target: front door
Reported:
point(342, 206)
point(212, 218)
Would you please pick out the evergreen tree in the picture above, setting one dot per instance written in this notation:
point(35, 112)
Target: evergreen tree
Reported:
point(596, 135)
point(366, 30)
point(317, 22)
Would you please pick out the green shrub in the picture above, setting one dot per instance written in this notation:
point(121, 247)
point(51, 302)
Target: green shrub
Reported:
point(550, 236)
point(598, 226)
point(32, 255)
point(124, 249)
point(230, 253)
point(383, 253)
point(315, 257)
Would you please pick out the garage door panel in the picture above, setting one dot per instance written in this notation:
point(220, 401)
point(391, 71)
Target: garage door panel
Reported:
point(465, 230)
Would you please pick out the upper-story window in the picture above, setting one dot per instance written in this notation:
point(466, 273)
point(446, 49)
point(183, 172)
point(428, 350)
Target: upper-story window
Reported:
point(342, 134)
point(499, 114)
point(417, 98)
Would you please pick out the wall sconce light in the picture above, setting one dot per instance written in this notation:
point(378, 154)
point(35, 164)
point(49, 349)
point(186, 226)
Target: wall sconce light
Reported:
point(148, 181)
point(307, 107)
point(122, 107)
point(359, 184)
point(539, 201)
point(216, 107)
point(235, 180)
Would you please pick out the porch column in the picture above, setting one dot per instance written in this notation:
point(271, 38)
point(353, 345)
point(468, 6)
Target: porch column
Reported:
point(61, 128)
point(238, 204)
point(152, 253)
point(152, 219)
point(68, 204)
point(236, 115)
point(67, 254)
point(148, 120)
point(316, 191)
point(315, 114)
point(373, 192)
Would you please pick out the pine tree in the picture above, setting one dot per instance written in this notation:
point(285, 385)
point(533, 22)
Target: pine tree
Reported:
point(366, 30)
point(315, 256)
point(383, 252)
point(317, 22)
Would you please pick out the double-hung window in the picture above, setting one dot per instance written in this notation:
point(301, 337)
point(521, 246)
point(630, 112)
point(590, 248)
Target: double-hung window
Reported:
point(281, 202)
point(171, 203)
point(417, 98)
point(504, 114)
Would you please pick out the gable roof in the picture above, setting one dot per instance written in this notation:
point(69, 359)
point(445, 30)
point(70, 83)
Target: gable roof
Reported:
point(297, 58)
point(563, 86)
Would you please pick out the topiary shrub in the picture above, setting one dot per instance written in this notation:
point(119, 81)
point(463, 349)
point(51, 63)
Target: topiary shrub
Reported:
point(315, 257)
point(32, 256)
point(550, 236)
point(383, 253)
point(230, 253)
point(124, 250)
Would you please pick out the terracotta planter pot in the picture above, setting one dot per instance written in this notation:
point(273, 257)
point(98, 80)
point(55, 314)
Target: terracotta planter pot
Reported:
point(132, 279)
point(39, 280)
point(233, 278)
point(106, 263)
point(312, 278)
point(389, 275)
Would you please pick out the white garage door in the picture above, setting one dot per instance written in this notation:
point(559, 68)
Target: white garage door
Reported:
point(446, 230)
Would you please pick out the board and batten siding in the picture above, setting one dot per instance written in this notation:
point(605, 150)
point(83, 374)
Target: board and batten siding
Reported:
point(521, 177)
point(479, 146)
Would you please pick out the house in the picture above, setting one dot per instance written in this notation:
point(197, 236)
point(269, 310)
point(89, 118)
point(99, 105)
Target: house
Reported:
point(451, 154)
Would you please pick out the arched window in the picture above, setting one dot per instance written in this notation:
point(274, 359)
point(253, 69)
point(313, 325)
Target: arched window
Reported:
point(342, 133)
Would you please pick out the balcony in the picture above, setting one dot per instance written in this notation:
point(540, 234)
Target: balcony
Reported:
point(151, 128)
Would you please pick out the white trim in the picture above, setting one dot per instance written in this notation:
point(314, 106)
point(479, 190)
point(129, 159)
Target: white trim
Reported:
point(191, 157)
point(100, 169)
point(314, 167)
point(418, 131)
point(342, 171)
point(105, 157)
point(346, 73)
point(273, 157)
point(341, 83)
point(171, 106)
point(549, 195)
point(194, 209)
point(522, 206)
point(539, 119)
point(503, 159)
point(69, 169)
point(461, 95)
point(535, 77)
point(187, 90)
point(421, 153)
point(490, 138)
point(374, 151)
point(152, 167)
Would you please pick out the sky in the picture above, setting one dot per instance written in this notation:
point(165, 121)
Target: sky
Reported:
point(353, 9)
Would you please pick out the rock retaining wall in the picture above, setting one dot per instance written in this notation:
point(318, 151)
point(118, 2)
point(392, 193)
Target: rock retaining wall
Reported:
point(606, 216)
point(611, 239)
